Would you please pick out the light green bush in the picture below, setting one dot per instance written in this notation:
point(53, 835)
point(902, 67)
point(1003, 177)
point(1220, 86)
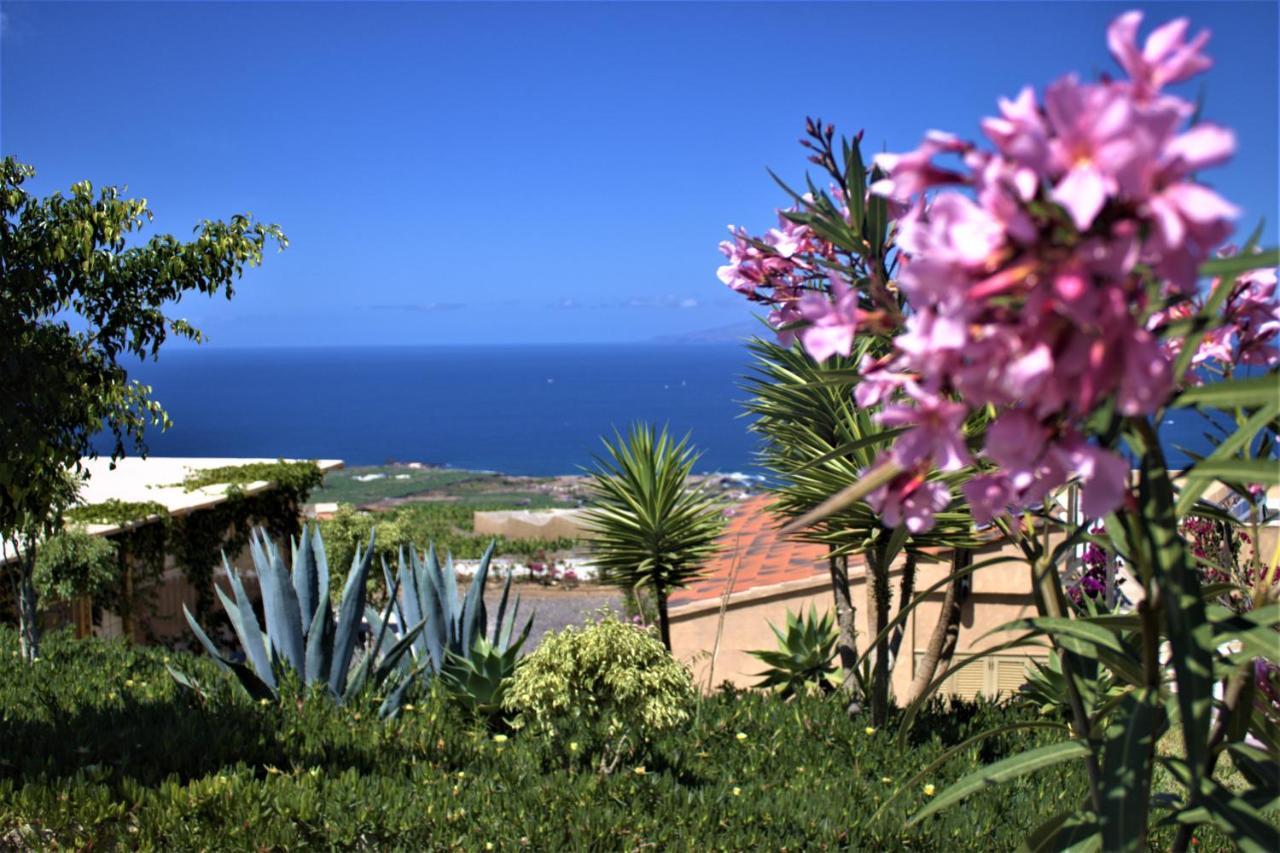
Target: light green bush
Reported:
point(609, 687)
point(73, 563)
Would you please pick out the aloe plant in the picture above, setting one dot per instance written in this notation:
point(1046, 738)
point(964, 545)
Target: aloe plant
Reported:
point(424, 592)
point(303, 634)
point(804, 655)
point(479, 683)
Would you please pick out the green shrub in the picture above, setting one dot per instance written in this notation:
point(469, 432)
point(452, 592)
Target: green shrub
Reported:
point(73, 564)
point(100, 750)
point(609, 687)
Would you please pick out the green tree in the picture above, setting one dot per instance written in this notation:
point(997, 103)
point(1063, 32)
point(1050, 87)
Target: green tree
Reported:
point(81, 294)
point(650, 527)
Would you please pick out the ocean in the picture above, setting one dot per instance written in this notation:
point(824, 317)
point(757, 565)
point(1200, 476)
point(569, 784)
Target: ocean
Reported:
point(533, 410)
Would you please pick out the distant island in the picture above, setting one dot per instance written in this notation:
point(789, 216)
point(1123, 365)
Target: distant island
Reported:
point(735, 333)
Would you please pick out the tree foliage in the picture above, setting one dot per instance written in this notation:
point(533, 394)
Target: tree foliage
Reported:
point(82, 293)
point(73, 563)
point(650, 528)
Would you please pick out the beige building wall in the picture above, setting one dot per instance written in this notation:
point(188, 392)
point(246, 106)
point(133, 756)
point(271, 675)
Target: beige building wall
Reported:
point(532, 524)
point(999, 594)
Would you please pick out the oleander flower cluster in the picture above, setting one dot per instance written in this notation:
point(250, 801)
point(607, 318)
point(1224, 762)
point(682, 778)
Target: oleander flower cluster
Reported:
point(1092, 581)
point(783, 269)
point(1033, 269)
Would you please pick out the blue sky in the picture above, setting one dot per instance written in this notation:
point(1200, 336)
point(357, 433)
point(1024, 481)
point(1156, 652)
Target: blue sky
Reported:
point(504, 173)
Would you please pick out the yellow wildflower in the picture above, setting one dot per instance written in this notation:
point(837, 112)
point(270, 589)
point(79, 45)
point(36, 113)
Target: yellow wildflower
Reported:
point(929, 790)
point(885, 779)
point(870, 730)
point(499, 738)
point(737, 792)
point(640, 770)
point(741, 735)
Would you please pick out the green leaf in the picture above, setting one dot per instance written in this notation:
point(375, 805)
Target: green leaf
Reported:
point(1233, 393)
point(1190, 633)
point(1075, 831)
point(1003, 771)
point(1249, 828)
point(1126, 769)
point(1237, 441)
point(1265, 471)
point(1237, 264)
point(1055, 627)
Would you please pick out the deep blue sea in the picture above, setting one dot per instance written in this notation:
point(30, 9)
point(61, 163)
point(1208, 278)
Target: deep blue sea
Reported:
point(521, 409)
point(535, 410)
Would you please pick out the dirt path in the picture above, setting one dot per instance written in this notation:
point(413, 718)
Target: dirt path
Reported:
point(554, 608)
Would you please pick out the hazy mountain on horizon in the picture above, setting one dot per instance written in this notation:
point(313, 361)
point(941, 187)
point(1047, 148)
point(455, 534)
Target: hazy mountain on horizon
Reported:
point(734, 333)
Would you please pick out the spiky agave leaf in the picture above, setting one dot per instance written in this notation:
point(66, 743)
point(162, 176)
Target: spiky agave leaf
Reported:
point(350, 611)
point(280, 604)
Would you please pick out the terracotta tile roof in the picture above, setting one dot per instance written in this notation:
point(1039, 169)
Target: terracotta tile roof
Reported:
point(750, 542)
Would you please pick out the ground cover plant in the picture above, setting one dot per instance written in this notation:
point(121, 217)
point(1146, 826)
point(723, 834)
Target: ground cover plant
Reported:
point(101, 748)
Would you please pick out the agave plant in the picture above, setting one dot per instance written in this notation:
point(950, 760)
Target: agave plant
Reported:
point(303, 635)
point(425, 593)
point(478, 683)
point(804, 657)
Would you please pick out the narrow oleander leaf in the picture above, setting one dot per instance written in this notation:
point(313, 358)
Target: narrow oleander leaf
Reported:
point(1076, 831)
point(1189, 630)
point(1237, 264)
point(1102, 635)
point(925, 773)
point(1247, 826)
point(1003, 771)
point(1233, 393)
point(1130, 737)
point(1239, 440)
point(1265, 471)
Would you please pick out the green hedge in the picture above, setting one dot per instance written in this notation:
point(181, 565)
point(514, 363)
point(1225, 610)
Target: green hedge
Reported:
point(99, 748)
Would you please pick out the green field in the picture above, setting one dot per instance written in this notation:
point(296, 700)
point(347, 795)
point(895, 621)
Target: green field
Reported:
point(399, 481)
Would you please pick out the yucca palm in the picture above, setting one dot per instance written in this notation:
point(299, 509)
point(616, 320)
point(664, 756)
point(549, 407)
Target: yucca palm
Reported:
point(817, 441)
point(649, 526)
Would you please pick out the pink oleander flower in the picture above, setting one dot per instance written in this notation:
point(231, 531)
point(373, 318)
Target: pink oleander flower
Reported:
point(911, 501)
point(789, 238)
point(1094, 152)
point(912, 173)
point(831, 322)
point(1008, 310)
point(935, 433)
point(1166, 57)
